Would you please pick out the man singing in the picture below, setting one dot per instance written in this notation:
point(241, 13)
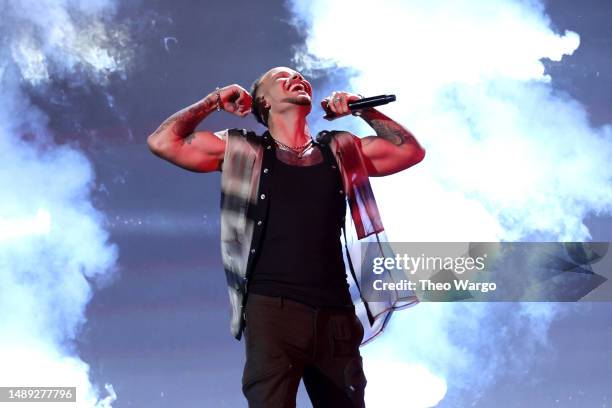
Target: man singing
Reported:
point(283, 199)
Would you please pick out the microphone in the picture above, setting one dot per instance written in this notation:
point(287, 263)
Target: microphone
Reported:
point(362, 103)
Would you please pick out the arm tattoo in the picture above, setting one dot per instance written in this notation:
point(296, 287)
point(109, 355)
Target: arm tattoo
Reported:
point(163, 127)
point(189, 138)
point(387, 128)
point(184, 122)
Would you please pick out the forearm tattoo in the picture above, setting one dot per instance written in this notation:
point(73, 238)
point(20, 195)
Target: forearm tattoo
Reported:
point(387, 128)
point(184, 122)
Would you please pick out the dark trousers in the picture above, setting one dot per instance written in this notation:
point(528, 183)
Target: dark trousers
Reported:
point(286, 340)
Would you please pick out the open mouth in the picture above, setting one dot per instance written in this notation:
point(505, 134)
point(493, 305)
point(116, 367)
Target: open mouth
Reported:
point(298, 88)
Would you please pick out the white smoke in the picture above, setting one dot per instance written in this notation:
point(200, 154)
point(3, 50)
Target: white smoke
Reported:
point(508, 158)
point(55, 38)
point(53, 247)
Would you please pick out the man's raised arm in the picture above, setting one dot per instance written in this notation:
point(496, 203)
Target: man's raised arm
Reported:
point(393, 149)
point(177, 141)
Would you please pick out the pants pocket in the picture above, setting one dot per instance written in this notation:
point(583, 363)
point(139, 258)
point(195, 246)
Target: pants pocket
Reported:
point(346, 333)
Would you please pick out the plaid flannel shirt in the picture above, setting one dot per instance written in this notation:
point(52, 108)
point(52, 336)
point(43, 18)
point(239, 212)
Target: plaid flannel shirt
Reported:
point(246, 168)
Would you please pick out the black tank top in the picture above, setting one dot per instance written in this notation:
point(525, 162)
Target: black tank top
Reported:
point(301, 252)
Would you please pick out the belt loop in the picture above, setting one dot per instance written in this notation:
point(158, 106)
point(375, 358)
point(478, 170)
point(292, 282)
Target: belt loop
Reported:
point(281, 301)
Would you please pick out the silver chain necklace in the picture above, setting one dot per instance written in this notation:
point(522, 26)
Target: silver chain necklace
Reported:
point(299, 150)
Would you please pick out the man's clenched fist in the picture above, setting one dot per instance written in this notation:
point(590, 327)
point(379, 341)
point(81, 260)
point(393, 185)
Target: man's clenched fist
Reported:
point(235, 99)
point(336, 104)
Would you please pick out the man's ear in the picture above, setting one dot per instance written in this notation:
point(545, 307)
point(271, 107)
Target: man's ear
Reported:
point(264, 108)
point(264, 103)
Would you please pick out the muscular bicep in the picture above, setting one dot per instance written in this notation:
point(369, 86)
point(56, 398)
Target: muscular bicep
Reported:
point(383, 158)
point(201, 151)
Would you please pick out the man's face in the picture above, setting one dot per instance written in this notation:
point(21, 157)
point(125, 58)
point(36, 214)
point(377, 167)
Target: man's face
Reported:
point(283, 88)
